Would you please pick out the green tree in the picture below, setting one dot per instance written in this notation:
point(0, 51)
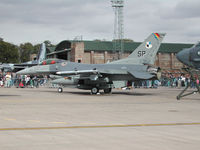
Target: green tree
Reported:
point(26, 50)
point(8, 53)
point(48, 43)
point(36, 49)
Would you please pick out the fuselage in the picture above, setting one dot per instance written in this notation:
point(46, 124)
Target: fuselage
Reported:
point(190, 57)
point(112, 71)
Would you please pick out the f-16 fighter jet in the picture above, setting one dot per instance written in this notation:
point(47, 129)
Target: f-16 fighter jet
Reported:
point(137, 66)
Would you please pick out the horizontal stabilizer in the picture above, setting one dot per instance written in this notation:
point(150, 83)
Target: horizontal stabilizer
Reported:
point(141, 75)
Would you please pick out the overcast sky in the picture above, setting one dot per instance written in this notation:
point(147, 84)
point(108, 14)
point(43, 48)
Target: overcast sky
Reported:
point(38, 20)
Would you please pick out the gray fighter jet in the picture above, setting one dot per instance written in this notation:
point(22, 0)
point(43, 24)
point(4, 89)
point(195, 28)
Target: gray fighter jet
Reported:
point(191, 58)
point(137, 66)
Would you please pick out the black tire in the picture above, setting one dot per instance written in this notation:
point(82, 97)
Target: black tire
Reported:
point(94, 90)
point(108, 91)
point(60, 90)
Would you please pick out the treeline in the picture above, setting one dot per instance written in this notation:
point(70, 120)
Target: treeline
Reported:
point(10, 53)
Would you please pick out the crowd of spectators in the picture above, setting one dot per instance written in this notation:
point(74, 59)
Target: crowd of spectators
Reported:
point(9, 79)
point(178, 81)
point(169, 80)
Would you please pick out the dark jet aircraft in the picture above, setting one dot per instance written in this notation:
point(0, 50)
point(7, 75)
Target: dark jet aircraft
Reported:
point(137, 66)
point(191, 58)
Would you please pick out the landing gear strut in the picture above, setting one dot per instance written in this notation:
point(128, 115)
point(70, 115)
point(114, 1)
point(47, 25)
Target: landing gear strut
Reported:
point(188, 85)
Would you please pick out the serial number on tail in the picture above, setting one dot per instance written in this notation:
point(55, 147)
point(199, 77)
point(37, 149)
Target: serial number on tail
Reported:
point(141, 53)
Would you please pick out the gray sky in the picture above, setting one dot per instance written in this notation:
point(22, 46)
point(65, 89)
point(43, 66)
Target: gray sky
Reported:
point(38, 20)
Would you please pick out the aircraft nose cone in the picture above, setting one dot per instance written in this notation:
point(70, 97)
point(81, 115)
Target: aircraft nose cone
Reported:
point(183, 56)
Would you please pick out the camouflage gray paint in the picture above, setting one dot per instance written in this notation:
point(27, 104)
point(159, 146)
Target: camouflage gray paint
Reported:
point(102, 76)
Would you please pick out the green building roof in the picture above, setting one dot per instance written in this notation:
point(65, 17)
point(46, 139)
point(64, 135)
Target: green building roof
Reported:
point(128, 46)
point(173, 47)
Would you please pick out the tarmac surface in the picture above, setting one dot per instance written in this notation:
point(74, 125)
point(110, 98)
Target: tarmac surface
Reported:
point(141, 119)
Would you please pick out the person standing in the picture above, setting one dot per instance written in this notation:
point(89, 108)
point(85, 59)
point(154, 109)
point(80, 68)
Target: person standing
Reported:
point(197, 81)
point(1, 80)
point(8, 79)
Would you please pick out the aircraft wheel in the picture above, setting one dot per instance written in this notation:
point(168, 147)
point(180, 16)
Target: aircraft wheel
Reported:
point(94, 90)
point(178, 97)
point(108, 91)
point(60, 90)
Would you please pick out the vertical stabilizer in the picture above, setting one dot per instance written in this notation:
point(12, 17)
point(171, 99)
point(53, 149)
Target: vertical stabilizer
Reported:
point(145, 53)
point(42, 53)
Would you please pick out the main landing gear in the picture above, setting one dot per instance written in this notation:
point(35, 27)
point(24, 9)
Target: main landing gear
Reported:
point(95, 90)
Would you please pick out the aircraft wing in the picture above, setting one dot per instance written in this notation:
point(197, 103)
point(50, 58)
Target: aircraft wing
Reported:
point(112, 72)
point(89, 72)
point(135, 74)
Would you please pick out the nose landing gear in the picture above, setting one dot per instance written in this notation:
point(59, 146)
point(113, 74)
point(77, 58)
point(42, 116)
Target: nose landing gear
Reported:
point(60, 90)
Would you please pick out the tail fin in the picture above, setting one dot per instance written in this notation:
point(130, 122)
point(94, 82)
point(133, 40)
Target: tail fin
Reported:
point(42, 53)
point(145, 53)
